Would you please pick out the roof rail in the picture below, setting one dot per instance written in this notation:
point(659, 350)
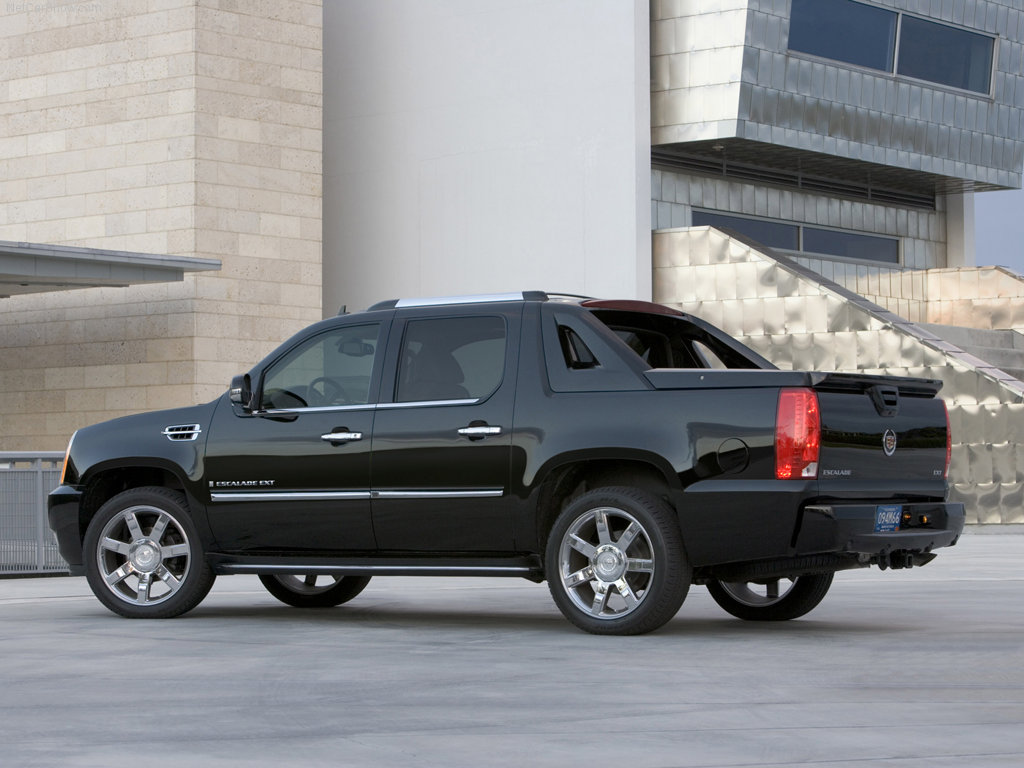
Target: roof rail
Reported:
point(478, 299)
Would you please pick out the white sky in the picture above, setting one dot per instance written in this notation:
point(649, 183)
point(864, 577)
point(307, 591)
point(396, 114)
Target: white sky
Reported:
point(999, 229)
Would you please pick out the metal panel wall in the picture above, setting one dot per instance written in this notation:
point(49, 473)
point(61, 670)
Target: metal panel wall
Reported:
point(27, 545)
point(922, 232)
point(802, 102)
point(798, 320)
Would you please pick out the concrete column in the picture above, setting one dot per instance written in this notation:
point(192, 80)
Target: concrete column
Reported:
point(479, 147)
point(960, 230)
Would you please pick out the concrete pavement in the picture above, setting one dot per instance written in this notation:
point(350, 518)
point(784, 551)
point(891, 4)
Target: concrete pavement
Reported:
point(921, 668)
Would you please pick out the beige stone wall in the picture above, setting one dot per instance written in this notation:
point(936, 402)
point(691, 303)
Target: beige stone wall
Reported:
point(168, 126)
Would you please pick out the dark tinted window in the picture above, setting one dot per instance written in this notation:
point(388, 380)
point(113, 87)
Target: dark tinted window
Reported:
point(331, 369)
point(774, 234)
point(663, 341)
point(575, 351)
point(653, 348)
point(850, 245)
point(845, 31)
point(945, 55)
point(454, 358)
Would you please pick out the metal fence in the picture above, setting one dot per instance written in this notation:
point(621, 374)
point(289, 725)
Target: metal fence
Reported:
point(27, 545)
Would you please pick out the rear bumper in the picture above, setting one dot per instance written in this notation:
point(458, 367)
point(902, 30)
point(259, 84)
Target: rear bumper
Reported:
point(850, 529)
point(62, 512)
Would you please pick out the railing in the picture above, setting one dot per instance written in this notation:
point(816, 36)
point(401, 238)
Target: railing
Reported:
point(27, 545)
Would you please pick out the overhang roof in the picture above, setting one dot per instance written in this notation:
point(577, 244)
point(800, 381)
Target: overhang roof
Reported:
point(35, 268)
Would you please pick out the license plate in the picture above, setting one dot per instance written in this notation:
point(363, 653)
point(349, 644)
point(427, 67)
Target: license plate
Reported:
point(887, 518)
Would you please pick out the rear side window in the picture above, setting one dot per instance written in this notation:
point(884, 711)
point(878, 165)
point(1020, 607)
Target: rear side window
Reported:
point(451, 358)
point(653, 347)
point(664, 341)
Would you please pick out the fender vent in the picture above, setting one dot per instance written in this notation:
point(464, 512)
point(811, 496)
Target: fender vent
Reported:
point(182, 432)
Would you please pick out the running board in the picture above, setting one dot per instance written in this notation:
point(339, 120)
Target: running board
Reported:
point(528, 567)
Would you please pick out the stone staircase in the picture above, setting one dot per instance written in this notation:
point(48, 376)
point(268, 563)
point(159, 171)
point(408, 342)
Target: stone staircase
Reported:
point(1003, 349)
point(801, 320)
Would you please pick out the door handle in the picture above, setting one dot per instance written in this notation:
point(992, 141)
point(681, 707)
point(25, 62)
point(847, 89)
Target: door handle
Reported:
point(341, 437)
point(477, 432)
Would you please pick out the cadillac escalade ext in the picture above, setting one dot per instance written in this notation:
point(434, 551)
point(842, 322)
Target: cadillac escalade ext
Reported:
point(620, 450)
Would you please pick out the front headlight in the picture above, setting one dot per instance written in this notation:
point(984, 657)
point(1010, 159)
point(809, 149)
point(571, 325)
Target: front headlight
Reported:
point(67, 460)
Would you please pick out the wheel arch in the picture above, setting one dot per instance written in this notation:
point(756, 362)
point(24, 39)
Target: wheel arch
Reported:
point(565, 481)
point(105, 482)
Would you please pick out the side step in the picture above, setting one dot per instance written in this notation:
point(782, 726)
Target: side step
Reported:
point(524, 566)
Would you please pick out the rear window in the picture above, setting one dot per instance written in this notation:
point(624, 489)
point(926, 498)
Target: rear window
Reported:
point(666, 341)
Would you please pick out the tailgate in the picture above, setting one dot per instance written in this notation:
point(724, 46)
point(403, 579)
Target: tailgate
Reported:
point(882, 437)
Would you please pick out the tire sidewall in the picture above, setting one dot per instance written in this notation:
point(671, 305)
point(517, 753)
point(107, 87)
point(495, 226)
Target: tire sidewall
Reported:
point(670, 580)
point(198, 579)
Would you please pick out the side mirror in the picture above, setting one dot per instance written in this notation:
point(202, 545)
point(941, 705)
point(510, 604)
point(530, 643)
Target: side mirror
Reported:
point(241, 391)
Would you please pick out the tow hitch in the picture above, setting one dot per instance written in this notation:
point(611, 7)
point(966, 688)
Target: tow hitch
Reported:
point(903, 558)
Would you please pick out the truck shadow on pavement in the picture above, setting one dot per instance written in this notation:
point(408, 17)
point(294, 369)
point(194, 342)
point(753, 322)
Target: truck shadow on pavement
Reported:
point(396, 615)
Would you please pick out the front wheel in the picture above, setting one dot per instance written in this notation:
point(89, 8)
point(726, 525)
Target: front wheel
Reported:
point(143, 558)
point(771, 599)
point(312, 590)
point(615, 562)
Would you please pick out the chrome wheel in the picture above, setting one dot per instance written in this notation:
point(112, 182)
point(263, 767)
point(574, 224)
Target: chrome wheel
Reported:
point(615, 562)
point(310, 584)
point(606, 563)
point(778, 599)
point(143, 555)
point(757, 594)
point(313, 590)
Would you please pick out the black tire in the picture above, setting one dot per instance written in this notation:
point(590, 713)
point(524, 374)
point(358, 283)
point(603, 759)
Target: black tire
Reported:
point(615, 562)
point(143, 557)
point(764, 601)
point(302, 591)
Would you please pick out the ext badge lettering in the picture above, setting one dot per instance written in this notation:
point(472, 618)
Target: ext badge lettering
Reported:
point(242, 483)
point(889, 442)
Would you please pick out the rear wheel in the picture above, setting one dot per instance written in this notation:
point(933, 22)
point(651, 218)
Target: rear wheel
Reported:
point(143, 558)
point(312, 590)
point(615, 562)
point(771, 599)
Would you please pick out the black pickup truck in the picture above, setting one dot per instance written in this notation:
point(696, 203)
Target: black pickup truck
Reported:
point(621, 450)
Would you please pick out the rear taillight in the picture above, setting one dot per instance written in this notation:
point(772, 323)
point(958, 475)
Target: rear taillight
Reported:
point(797, 434)
point(949, 441)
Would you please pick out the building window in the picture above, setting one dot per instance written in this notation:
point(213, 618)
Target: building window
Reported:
point(892, 42)
point(774, 234)
point(800, 238)
point(844, 31)
point(850, 245)
point(941, 54)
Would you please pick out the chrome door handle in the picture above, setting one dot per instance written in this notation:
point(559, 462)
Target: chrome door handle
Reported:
point(341, 437)
point(480, 431)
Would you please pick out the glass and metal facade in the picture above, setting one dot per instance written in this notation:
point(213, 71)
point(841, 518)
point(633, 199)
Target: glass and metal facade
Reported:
point(835, 130)
point(893, 42)
point(885, 97)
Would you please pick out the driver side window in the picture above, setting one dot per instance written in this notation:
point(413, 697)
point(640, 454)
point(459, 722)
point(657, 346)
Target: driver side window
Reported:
point(331, 369)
